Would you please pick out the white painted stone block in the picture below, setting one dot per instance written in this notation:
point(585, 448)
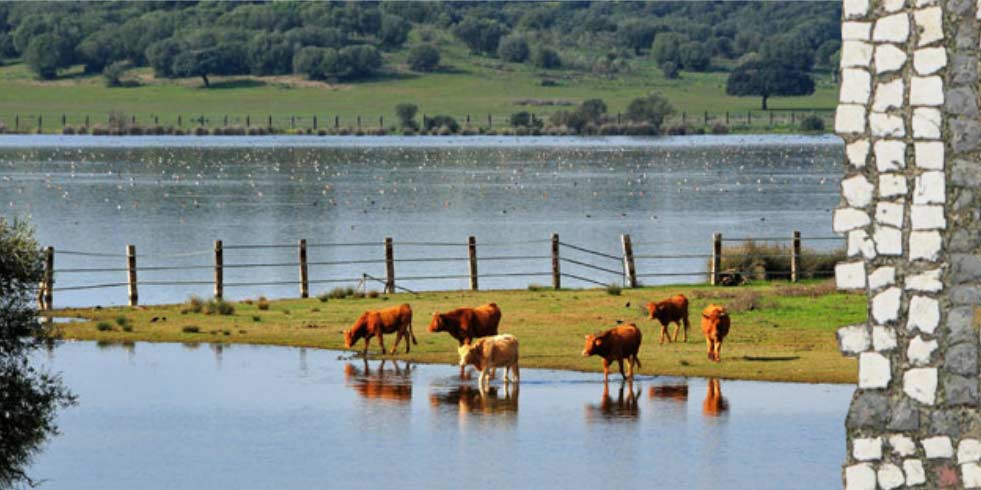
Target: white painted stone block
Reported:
point(888, 58)
point(856, 54)
point(849, 119)
point(889, 154)
point(929, 154)
point(920, 351)
point(888, 240)
point(902, 445)
point(856, 86)
point(867, 449)
point(925, 245)
point(929, 23)
point(857, 152)
point(882, 277)
point(857, 191)
point(891, 29)
point(854, 339)
point(850, 275)
point(892, 184)
point(888, 95)
point(893, 5)
point(971, 475)
point(873, 371)
point(926, 123)
point(883, 338)
point(937, 447)
point(920, 384)
point(847, 219)
point(855, 8)
point(859, 243)
point(926, 91)
point(930, 188)
point(927, 217)
point(890, 476)
point(860, 476)
point(890, 213)
point(856, 31)
point(885, 305)
point(888, 125)
point(928, 61)
point(968, 451)
point(913, 468)
point(924, 314)
point(928, 281)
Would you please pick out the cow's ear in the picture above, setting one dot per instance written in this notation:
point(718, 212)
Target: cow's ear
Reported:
point(598, 342)
point(706, 316)
point(587, 337)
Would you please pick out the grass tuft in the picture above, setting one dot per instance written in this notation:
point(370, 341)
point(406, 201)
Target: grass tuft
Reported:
point(614, 289)
point(191, 329)
point(103, 327)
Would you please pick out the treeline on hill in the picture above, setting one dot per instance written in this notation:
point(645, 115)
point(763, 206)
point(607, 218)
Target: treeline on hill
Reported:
point(348, 41)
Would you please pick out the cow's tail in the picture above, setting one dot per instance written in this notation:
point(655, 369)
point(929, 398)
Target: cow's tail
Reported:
point(412, 335)
point(636, 361)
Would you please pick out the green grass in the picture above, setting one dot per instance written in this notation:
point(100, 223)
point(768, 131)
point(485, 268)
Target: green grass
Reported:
point(786, 334)
point(469, 85)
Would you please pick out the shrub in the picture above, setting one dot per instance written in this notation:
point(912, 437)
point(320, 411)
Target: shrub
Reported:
point(720, 128)
point(406, 114)
point(441, 121)
point(114, 72)
point(323, 297)
point(547, 58)
point(513, 48)
point(670, 70)
point(768, 261)
point(373, 294)
point(262, 303)
point(256, 318)
point(191, 329)
point(68, 129)
point(195, 304)
point(104, 327)
point(614, 290)
point(122, 321)
point(651, 109)
point(423, 58)
point(548, 82)
point(537, 287)
point(525, 119)
point(219, 307)
point(340, 292)
point(812, 123)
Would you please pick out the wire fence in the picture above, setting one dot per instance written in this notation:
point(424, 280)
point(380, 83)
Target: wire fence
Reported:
point(138, 123)
point(457, 261)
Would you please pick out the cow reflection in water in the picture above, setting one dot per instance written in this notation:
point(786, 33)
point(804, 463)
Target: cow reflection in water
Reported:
point(380, 384)
point(678, 393)
point(470, 399)
point(624, 407)
point(715, 404)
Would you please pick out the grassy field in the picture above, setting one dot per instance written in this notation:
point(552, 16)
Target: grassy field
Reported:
point(779, 332)
point(467, 85)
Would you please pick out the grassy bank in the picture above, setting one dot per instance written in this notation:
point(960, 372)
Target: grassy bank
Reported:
point(780, 332)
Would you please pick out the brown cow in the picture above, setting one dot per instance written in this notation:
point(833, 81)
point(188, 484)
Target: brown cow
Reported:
point(715, 326)
point(672, 310)
point(488, 353)
point(379, 322)
point(381, 384)
point(466, 324)
point(616, 344)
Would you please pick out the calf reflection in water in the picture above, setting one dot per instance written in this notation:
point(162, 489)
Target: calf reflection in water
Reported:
point(624, 407)
point(470, 399)
point(387, 385)
point(678, 393)
point(715, 404)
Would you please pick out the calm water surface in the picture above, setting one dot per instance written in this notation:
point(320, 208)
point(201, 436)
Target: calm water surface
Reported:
point(172, 197)
point(164, 416)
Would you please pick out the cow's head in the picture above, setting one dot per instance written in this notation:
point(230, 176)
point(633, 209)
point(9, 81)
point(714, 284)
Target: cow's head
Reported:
point(436, 324)
point(651, 310)
point(714, 313)
point(469, 354)
point(357, 331)
point(593, 344)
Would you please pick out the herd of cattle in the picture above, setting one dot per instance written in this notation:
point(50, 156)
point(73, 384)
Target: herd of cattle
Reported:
point(476, 330)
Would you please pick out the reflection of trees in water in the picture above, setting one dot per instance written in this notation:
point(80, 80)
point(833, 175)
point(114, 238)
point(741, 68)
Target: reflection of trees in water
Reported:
point(470, 399)
point(381, 384)
point(715, 404)
point(29, 397)
point(623, 407)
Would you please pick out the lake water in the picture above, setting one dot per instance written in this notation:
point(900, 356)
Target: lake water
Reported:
point(172, 197)
point(164, 416)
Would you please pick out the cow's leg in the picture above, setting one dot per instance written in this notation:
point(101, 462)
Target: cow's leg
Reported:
point(718, 351)
point(515, 372)
point(484, 378)
point(381, 341)
point(398, 337)
point(364, 354)
point(664, 333)
point(708, 344)
point(687, 326)
point(677, 327)
point(507, 371)
point(620, 365)
point(606, 370)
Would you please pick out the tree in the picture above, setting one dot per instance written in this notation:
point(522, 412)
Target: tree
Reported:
point(546, 58)
point(823, 54)
point(100, 50)
point(670, 70)
point(47, 53)
point(694, 56)
point(767, 79)
point(788, 50)
point(198, 63)
point(651, 110)
point(423, 57)
point(513, 48)
point(407, 115)
point(394, 31)
point(29, 398)
point(114, 72)
point(667, 47)
point(592, 110)
point(269, 54)
point(309, 61)
point(161, 56)
point(637, 34)
point(480, 35)
point(351, 63)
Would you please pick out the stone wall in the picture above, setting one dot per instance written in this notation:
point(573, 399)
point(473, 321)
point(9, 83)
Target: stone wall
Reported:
point(911, 211)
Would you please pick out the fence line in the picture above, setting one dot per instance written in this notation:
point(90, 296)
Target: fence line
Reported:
point(590, 266)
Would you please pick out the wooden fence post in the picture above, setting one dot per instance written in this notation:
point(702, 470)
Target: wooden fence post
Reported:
point(795, 257)
point(304, 282)
point(47, 293)
point(556, 271)
point(472, 257)
point(134, 296)
point(64, 120)
point(86, 120)
point(178, 120)
point(269, 122)
point(628, 261)
point(40, 124)
point(490, 121)
point(381, 121)
point(248, 121)
point(716, 259)
point(706, 120)
point(314, 122)
point(359, 121)
point(727, 118)
point(292, 122)
point(219, 275)
point(337, 122)
point(389, 266)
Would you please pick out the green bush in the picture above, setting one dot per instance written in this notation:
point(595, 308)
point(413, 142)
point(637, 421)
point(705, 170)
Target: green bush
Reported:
point(513, 48)
point(812, 123)
point(191, 329)
point(764, 261)
point(547, 58)
point(195, 304)
point(104, 327)
point(219, 307)
point(262, 303)
point(614, 289)
point(423, 58)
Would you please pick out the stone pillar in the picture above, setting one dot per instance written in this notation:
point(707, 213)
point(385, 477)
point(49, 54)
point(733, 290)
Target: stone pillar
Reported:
point(911, 210)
